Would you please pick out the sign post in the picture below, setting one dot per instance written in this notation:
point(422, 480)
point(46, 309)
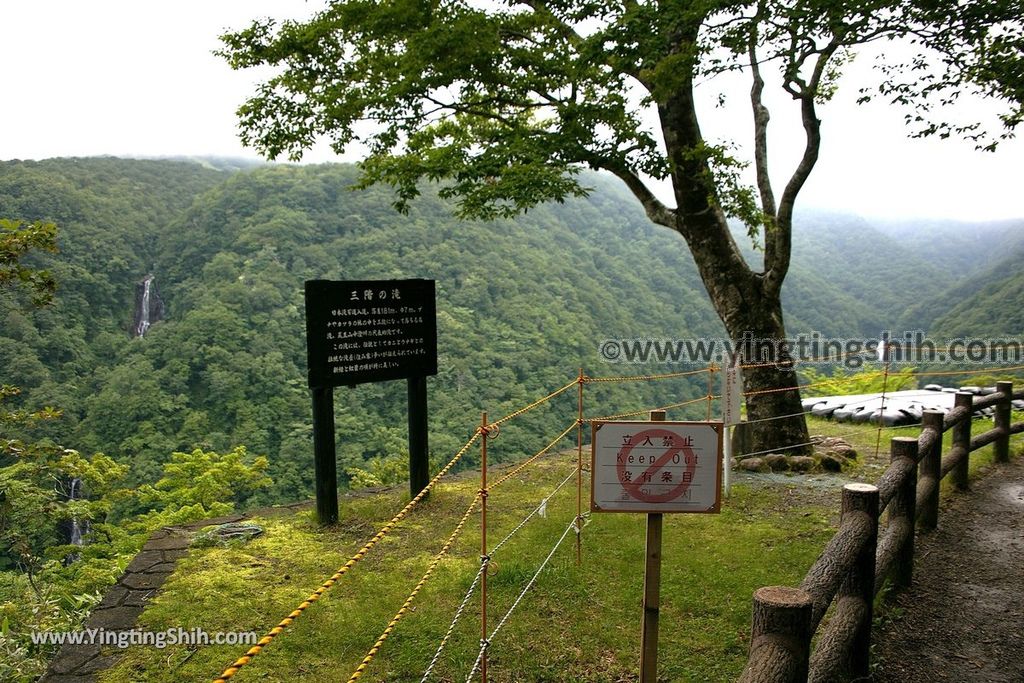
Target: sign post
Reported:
point(640, 467)
point(419, 465)
point(732, 394)
point(652, 590)
point(325, 464)
point(368, 331)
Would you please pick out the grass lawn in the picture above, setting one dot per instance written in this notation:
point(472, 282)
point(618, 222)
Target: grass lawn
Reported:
point(579, 623)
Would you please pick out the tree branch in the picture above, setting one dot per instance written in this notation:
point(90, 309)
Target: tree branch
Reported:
point(474, 110)
point(656, 211)
point(541, 7)
point(576, 40)
point(761, 118)
point(782, 236)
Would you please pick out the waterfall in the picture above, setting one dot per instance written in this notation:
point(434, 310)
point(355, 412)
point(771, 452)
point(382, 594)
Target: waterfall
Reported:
point(143, 324)
point(149, 307)
point(78, 529)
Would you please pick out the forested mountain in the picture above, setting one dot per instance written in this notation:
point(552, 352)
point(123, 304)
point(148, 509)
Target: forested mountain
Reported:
point(960, 249)
point(987, 305)
point(110, 214)
point(522, 306)
point(853, 268)
point(978, 284)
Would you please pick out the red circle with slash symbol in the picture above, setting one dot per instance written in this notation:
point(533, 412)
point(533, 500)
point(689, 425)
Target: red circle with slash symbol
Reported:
point(634, 485)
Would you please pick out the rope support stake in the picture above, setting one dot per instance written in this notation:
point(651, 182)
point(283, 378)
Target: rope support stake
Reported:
point(483, 543)
point(712, 369)
point(581, 380)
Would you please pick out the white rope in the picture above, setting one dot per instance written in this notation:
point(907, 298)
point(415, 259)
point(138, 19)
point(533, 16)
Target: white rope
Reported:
point(776, 449)
point(486, 643)
point(796, 445)
point(976, 416)
point(541, 509)
point(458, 615)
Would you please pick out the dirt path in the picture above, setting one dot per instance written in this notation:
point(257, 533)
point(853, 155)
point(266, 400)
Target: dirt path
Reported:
point(963, 618)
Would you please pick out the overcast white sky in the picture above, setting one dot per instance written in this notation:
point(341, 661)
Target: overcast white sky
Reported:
point(138, 78)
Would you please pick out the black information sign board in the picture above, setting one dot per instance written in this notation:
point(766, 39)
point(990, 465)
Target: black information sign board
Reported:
point(370, 331)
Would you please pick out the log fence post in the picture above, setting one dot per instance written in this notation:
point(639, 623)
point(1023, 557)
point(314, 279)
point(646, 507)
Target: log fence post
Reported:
point(780, 636)
point(931, 469)
point(1001, 449)
point(962, 439)
point(860, 582)
point(901, 508)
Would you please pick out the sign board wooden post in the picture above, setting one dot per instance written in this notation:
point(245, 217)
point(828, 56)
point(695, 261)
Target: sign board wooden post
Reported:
point(652, 590)
point(640, 467)
point(368, 331)
point(732, 399)
point(325, 464)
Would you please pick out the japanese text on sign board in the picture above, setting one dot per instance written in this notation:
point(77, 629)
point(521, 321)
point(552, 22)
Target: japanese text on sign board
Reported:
point(370, 331)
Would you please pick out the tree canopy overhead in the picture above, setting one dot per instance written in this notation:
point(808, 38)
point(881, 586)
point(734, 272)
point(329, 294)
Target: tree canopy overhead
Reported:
point(506, 101)
point(509, 99)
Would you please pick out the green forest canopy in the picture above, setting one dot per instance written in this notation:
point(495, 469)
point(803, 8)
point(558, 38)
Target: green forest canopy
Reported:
point(522, 306)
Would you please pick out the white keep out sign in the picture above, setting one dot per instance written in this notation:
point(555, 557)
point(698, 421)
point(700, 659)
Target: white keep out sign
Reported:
point(656, 467)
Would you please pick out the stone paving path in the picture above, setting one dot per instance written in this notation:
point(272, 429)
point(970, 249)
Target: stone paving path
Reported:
point(963, 617)
point(124, 602)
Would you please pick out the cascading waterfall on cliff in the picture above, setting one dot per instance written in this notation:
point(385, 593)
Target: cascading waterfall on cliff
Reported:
point(78, 528)
point(143, 325)
point(149, 307)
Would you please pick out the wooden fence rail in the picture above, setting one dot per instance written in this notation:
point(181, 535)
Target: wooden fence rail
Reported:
point(857, 561)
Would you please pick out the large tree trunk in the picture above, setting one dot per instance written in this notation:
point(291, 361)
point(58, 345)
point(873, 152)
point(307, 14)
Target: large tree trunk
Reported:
point(774, 413)
point(751, 310)
point(748, 302)
point(750, 307)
